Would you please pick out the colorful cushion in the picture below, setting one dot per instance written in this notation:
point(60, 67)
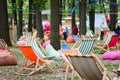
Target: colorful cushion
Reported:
point(21, 43)
point(46, 43)
point(2, 50)
point(111, 55)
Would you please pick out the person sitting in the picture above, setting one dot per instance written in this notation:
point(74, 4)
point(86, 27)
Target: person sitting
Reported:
point(117, 30)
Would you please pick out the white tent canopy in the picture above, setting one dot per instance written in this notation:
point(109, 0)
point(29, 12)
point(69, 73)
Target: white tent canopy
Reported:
point(98, 19)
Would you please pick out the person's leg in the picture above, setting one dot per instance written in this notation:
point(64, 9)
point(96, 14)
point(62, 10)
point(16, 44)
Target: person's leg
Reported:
point(101, 35)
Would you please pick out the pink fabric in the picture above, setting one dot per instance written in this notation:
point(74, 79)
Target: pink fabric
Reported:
point(46, 43)
point(111, 55)
point(21, 43)
point(2, 50)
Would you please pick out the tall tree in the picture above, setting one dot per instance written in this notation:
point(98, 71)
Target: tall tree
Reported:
point(54, 32)
point(60, 4)
point(82, 17)
point(4, 28)
point(30, 16)
point(40, 4)
point(14, 10)
point(92, 16)
point(39, 22)
point(113, 15)
point(20, 22)
point(73, 14)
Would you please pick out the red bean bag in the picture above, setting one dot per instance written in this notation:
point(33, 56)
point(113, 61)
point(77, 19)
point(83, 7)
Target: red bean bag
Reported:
point(70, 39)
point(7, 59)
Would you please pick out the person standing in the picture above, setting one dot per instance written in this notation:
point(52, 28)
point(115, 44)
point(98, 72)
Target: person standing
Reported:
point(75, 33)
point(101, 30)
point(65, 33)
point(75, 30)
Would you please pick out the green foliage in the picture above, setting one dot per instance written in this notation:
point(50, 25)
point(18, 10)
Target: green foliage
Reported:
point(40, 3)
point(97, 6)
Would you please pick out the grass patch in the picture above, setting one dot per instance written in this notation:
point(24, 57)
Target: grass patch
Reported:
point(111, 66)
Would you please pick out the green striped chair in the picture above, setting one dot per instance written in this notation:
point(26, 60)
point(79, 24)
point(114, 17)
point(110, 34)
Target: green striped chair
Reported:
point(86, 46)
point(40, 53)
point(52, 52)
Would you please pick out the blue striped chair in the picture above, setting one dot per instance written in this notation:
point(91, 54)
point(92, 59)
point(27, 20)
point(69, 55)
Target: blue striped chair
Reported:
point(86, 46)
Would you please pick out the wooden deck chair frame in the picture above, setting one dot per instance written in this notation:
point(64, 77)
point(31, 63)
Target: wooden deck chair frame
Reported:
point(114, 39)
point(30, 55)
point(68, 66)
point(82, 64)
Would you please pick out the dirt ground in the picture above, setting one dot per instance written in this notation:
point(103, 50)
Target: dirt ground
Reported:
point(9, 72)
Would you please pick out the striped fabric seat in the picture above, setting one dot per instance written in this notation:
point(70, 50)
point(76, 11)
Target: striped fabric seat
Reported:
point(107, 38)
point(52, 52)
point(86, 46)
point(40, 53)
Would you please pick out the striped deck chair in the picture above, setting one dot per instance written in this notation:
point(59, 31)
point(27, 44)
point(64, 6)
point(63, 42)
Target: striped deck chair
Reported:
point(40, 53)
point(89, 67)
point(86, 46)
point(76, 45)
point(110, 43)
point(31, 55)
point(52, 52)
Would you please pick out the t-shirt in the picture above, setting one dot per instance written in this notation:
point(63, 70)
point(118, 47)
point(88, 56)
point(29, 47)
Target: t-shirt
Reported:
point(74, 30)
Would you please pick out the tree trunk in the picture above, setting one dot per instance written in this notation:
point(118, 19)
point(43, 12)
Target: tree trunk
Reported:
point(60, 12)
point(30, 16)
point(73, 14)
point(54, 32)
point(39, 23)
point(20, 24)
point(4, 28)
point(34, 17)
point(113, 15)
point(92, 18)
point(82, 13)
point(14, 11)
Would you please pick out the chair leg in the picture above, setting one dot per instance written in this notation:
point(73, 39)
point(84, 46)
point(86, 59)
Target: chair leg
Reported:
point(25, 67)
point(66, 73)
point(49, 67)
point(73, 74)
point(36, 70)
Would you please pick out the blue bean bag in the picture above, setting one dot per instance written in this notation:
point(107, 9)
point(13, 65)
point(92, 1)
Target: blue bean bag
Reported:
point(65, 47)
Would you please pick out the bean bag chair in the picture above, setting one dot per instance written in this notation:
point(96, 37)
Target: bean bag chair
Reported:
point(117, 31)
point(3, 51)
point(111, 55)
point(52, 52)
point(65, 47)
point(76, 38)
point(7, 59)
point(70, 39)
